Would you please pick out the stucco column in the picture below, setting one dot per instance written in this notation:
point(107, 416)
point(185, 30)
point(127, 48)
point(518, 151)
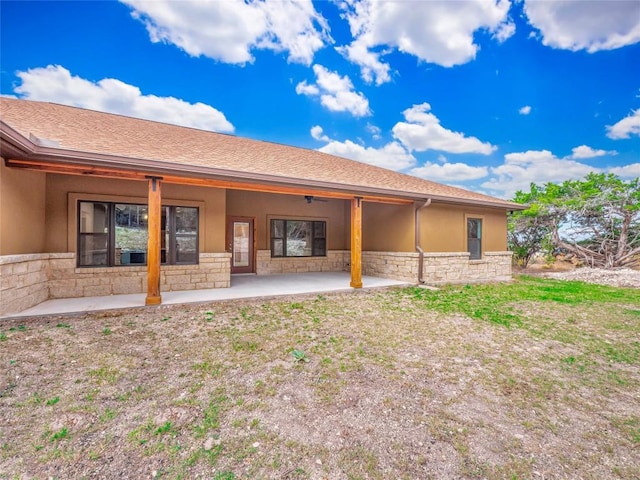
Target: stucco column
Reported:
point(356, 242)
point(153, 243)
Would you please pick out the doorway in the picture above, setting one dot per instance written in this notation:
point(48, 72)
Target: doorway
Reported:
point(240, 243)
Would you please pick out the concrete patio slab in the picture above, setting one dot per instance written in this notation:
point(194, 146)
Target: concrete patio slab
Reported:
point(242, 286)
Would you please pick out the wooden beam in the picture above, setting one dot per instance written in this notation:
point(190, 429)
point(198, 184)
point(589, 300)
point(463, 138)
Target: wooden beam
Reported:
point(70, 169)
point(64, 169)
point(283, 190)
point(356, 242)
point(153, 242)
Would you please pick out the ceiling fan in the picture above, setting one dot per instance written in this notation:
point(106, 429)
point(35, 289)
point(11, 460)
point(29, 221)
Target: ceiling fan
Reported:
point(311, 198)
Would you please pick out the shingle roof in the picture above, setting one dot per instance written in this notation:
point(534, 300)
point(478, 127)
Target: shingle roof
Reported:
point(91, 132)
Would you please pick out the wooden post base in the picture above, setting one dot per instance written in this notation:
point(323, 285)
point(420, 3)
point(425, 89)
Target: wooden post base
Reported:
point(153, 301)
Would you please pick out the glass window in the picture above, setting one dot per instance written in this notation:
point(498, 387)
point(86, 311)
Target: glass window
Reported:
point(131, 234)
point(114, 234)
point(241, 248)
point(93, 237)
point(319, 239)
point(474, 238)
point(186, 235)
point(298, 238)
point(277, 247)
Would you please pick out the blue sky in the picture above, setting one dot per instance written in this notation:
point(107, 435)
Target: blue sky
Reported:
point(486, 95)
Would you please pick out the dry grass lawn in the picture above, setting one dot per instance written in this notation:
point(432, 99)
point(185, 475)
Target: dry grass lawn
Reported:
point(536, 379)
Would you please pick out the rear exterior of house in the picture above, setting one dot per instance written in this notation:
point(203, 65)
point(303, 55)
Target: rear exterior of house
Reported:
point(99, 204)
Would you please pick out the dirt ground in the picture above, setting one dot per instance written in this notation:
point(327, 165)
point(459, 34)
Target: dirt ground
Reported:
point(370, 385)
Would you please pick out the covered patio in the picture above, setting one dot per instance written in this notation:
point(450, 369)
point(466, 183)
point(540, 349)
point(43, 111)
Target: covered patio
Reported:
point(242, 286)
point(149, 207)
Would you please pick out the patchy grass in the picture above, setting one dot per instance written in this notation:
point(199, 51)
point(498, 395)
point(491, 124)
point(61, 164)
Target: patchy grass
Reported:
point(537, 378)
point(499, 305)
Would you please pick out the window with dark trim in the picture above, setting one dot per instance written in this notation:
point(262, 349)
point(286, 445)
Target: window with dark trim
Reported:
point(115, 234)
point(474, 238)
point(298, 238)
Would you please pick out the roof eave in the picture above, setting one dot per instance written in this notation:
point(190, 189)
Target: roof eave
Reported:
point(14, 144)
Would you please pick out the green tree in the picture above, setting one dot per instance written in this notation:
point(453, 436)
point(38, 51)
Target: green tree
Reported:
point(602, 220)
point(529, 230)
point(597, 219)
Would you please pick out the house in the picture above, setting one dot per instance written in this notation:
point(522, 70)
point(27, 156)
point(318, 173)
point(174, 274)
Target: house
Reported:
point(97, 204)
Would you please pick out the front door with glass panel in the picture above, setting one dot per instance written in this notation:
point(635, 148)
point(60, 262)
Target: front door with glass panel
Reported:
point(240, 244)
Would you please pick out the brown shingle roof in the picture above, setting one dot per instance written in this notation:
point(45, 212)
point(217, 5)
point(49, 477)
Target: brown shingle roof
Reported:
point(171, 146)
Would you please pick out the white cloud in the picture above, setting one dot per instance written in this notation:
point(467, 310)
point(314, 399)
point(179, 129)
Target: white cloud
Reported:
point(526, 110)
point(375, 131)
point(627, 171)
point(228, 30)
point(504, 31)
point(584, 151)
point(303, 88)
point(626, 127)
point(520, 169)
point(372, 69)
point(392, 156)
point(318, 133)
point(422, 131)
point(585, 25)
point(434, 32)
point(449, 172)
point(336, 93)
point(56, 84)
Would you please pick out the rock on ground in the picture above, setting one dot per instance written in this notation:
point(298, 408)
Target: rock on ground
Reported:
point(617, 277)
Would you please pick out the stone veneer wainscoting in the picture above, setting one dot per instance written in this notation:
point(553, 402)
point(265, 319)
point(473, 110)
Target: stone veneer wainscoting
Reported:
point(438, 268)
point(26, 280)
point(443, 268)
point(335, 261)
point(31, 279)
point(401, 266)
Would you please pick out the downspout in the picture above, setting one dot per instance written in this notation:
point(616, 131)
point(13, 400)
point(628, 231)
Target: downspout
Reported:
point(418, 247)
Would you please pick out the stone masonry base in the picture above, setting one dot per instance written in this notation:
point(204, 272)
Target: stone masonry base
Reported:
point(397, 266)
point(24, 281)
point(27, 280)
point(335, 261)
point(438, 268)
point(394, 265)
point(443, 268)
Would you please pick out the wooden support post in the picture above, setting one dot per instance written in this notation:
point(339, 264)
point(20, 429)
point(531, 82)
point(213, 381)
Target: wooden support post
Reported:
point(356, 242)
point(153, 243)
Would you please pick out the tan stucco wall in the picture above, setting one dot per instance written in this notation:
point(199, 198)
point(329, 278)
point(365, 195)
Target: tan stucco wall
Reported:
point(22, 211)
point(34, 214)
point(265, 206)
point(443, 228)
point(385, 227)
point(61, 233)
point(388, 228)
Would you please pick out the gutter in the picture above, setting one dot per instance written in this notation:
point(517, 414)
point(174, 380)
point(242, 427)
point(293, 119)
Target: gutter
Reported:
point(418, 247)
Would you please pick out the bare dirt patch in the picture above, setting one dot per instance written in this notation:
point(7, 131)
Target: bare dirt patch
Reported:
point(389, 389)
